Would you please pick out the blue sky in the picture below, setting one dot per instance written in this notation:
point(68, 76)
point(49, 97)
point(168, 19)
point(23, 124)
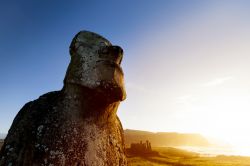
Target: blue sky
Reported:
point(186, 63)
point(35, 36)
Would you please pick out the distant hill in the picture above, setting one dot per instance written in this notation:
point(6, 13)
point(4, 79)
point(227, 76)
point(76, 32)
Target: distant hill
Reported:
point(2, 135)
point(160, 139)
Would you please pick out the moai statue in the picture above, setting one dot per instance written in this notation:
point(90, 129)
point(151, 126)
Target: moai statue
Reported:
point(150, 149)
point(78, 125)
point(147, 145)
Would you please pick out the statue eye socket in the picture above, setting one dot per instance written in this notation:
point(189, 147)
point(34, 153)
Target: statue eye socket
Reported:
point(103, 50)
point(103, 44)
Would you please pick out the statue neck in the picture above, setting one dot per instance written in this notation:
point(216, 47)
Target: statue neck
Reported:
point(88, 103)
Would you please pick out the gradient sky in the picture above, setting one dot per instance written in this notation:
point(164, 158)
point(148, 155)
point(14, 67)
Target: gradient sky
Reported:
point(186, 63)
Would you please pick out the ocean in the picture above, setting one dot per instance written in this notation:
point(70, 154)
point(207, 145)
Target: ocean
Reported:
point(215, 151)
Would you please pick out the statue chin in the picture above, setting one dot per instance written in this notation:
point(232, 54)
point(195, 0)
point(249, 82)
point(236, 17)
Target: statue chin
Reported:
point(109, 90)
point(112, 92)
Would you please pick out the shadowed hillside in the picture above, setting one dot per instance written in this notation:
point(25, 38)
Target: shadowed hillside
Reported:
point(164, 138)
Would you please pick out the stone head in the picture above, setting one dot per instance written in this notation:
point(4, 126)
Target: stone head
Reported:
point(95, 64)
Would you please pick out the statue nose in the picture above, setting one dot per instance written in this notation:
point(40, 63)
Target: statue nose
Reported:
point(112, 53)
point(117, 50)
point(117, 53)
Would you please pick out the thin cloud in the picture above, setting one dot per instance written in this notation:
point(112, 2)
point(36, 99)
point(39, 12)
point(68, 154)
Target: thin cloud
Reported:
point(136, 87)
point(186, 99)
point(217, 81)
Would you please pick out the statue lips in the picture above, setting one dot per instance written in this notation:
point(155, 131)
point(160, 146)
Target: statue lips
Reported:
point(112, 64)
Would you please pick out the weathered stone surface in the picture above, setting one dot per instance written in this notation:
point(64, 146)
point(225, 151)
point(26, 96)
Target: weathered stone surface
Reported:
point(78, 125)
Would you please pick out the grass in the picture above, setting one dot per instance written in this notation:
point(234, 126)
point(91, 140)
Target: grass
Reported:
point(176, 157)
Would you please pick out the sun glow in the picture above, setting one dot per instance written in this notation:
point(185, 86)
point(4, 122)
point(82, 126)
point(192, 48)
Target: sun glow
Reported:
point(194, 77)
point(224, 117)
point(229, 114)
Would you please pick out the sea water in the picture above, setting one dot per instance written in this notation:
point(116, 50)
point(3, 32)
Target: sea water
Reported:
point(215, 151)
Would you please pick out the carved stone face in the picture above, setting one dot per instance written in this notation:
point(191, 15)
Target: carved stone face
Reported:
point(95, 64)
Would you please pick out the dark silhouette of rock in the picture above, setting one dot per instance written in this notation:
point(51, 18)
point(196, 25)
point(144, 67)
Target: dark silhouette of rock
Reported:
point(78, 125)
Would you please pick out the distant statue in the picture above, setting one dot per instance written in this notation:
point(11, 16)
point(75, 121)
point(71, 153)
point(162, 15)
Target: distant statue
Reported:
point(78, 125)
point(141, 147)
